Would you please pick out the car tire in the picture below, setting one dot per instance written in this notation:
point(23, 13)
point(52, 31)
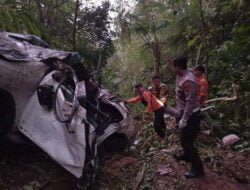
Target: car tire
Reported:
point(7, 112)
point(115, 143)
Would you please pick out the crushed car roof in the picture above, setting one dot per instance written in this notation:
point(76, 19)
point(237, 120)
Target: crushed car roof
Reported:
point(24, 47)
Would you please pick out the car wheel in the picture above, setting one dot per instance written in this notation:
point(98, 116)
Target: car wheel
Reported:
point(7, 112)
point(113, 144)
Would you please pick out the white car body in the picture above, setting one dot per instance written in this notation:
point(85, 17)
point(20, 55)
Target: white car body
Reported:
point(65, 142)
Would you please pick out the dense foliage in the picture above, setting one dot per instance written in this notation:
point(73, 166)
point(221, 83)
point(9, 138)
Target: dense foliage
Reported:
point(212, 33)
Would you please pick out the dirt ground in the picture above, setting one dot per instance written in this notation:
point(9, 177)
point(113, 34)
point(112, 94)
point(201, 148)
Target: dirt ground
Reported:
point(28, 168)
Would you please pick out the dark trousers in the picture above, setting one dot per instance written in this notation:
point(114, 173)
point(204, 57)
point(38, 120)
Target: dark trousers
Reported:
point(159, 122)
point(188, 135)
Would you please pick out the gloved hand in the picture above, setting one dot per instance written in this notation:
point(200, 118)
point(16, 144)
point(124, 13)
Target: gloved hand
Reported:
point(182, 123)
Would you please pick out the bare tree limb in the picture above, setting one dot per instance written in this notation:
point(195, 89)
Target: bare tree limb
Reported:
point(234, 97)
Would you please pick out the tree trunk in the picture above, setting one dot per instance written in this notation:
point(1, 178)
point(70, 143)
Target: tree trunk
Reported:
point(204, 34)
point(40, 11)
point(98, 69)
point(198, 54)
point(75, 26)
point(157, 57)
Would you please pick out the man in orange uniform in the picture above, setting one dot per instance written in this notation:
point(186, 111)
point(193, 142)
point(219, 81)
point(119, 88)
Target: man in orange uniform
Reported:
point(202, 84)
point(153, 105)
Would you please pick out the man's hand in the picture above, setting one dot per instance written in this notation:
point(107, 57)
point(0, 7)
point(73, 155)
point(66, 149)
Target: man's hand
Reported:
point(147, 117)
point(182, 123)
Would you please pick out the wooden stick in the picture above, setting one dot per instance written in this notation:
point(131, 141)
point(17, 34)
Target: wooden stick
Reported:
point(140, 177)
point(222, 99)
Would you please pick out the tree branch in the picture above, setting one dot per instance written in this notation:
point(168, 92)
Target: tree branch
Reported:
point(59, 4)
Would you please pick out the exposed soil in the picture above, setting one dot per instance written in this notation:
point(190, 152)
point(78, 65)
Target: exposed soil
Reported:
point(23, 166)
point(232, 174)
point(150, 166)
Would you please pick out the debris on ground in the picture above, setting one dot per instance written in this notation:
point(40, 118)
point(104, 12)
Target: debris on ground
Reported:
point(150, 166)
point(164, 169)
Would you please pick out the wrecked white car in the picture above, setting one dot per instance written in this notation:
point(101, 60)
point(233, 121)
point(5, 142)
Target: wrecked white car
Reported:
point(49, 97)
